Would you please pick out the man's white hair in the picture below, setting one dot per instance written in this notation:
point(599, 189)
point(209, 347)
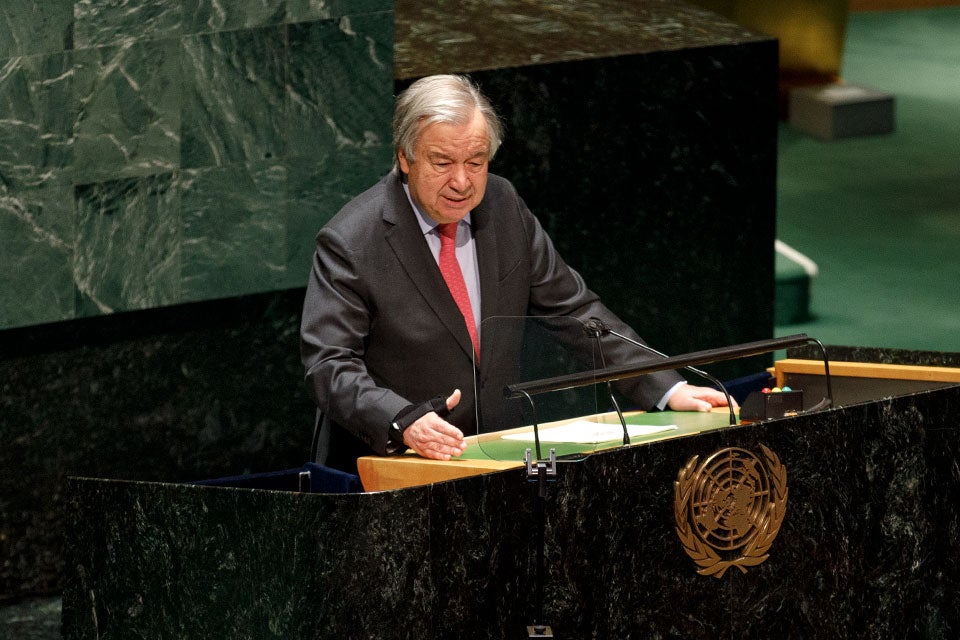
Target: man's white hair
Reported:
point(450, 99)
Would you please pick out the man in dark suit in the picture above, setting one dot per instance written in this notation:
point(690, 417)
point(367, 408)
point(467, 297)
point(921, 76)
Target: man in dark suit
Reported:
point(404, 273)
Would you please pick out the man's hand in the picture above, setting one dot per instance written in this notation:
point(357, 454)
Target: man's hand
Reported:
point(691, 398)
point(433, 437)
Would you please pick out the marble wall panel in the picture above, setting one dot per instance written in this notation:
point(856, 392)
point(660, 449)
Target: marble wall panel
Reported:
point(128, 98)
point(333, 151)
point(233, 110)
point(37, 240)
point(205, 16)
point(37, 229)
point(233, 230)
point(226, 15)
point(288, 102)
point(474, 35)
point(305, 10)
point(884, 356)
point(330, 109)
point(107, 22)
point(37, 121)
point(35, 26)
point(128, 245)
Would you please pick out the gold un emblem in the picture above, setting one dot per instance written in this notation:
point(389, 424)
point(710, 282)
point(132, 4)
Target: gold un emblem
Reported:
point(730, 508)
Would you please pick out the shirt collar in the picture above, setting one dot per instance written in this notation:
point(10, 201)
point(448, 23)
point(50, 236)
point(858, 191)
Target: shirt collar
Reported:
point(427, 224)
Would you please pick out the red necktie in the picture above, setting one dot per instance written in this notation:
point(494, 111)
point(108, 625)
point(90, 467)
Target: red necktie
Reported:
point(450, 269)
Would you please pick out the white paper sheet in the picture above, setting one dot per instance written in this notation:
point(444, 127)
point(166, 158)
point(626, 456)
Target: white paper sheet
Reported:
point(586, 432)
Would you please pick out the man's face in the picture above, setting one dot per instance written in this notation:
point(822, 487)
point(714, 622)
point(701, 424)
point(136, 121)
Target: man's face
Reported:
point(448, 174)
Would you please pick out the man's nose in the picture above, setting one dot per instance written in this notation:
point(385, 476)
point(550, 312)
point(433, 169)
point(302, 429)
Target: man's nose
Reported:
point(458, 177)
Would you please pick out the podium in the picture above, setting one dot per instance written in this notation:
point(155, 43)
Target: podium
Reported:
point(410, 470)
point(867, 546)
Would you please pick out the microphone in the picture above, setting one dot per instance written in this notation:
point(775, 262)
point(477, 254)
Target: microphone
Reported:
point(595, 328)
point(598, 327)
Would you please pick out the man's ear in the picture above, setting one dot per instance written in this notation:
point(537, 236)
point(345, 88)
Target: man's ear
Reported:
point(402, 161)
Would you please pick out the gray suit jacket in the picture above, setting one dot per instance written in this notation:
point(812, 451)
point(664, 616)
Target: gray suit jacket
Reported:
point(380, 330)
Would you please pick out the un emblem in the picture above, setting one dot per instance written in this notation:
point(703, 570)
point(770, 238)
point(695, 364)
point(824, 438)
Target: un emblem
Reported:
point(729, 509)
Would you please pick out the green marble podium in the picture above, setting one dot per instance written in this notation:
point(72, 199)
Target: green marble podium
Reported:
point(868, 546)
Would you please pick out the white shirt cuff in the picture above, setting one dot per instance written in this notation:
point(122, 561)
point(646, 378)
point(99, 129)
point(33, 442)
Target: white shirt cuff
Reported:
point(669, 394)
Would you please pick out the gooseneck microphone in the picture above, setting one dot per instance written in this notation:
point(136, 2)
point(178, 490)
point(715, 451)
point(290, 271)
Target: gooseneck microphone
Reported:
point(598, 327)
point(595, 329)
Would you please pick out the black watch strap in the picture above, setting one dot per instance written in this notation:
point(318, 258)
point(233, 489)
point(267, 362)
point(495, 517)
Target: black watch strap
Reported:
point(413, 413)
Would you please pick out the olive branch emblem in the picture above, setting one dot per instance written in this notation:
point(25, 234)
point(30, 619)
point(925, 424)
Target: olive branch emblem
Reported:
point(729, 509)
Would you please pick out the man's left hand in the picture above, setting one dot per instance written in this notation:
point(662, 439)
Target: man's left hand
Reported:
point(691, 398)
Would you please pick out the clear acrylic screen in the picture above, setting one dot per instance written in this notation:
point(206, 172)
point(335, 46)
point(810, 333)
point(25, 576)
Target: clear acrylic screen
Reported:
point(574, 421)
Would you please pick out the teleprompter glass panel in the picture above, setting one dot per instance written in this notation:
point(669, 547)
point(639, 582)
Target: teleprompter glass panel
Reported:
point(518, 408)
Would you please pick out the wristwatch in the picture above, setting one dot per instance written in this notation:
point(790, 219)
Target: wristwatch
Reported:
point(396, 433)
point(413, 413)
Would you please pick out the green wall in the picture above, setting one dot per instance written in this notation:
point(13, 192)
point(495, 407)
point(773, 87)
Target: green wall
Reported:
point(165, 151)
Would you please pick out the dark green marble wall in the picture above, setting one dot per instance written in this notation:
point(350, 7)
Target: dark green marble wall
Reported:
point(158, 152)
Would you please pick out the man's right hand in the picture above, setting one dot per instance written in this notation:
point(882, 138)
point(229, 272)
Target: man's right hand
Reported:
point(433, 437)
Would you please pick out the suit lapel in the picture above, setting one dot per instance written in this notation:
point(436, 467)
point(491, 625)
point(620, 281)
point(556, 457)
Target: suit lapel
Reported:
point(485, 239)
point(406, 239)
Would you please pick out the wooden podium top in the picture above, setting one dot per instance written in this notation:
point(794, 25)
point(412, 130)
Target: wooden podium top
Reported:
point(410, 470)
point(872, 370)
point(490, 452)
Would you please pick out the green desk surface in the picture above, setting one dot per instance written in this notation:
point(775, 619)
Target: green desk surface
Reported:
point(687, 422)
